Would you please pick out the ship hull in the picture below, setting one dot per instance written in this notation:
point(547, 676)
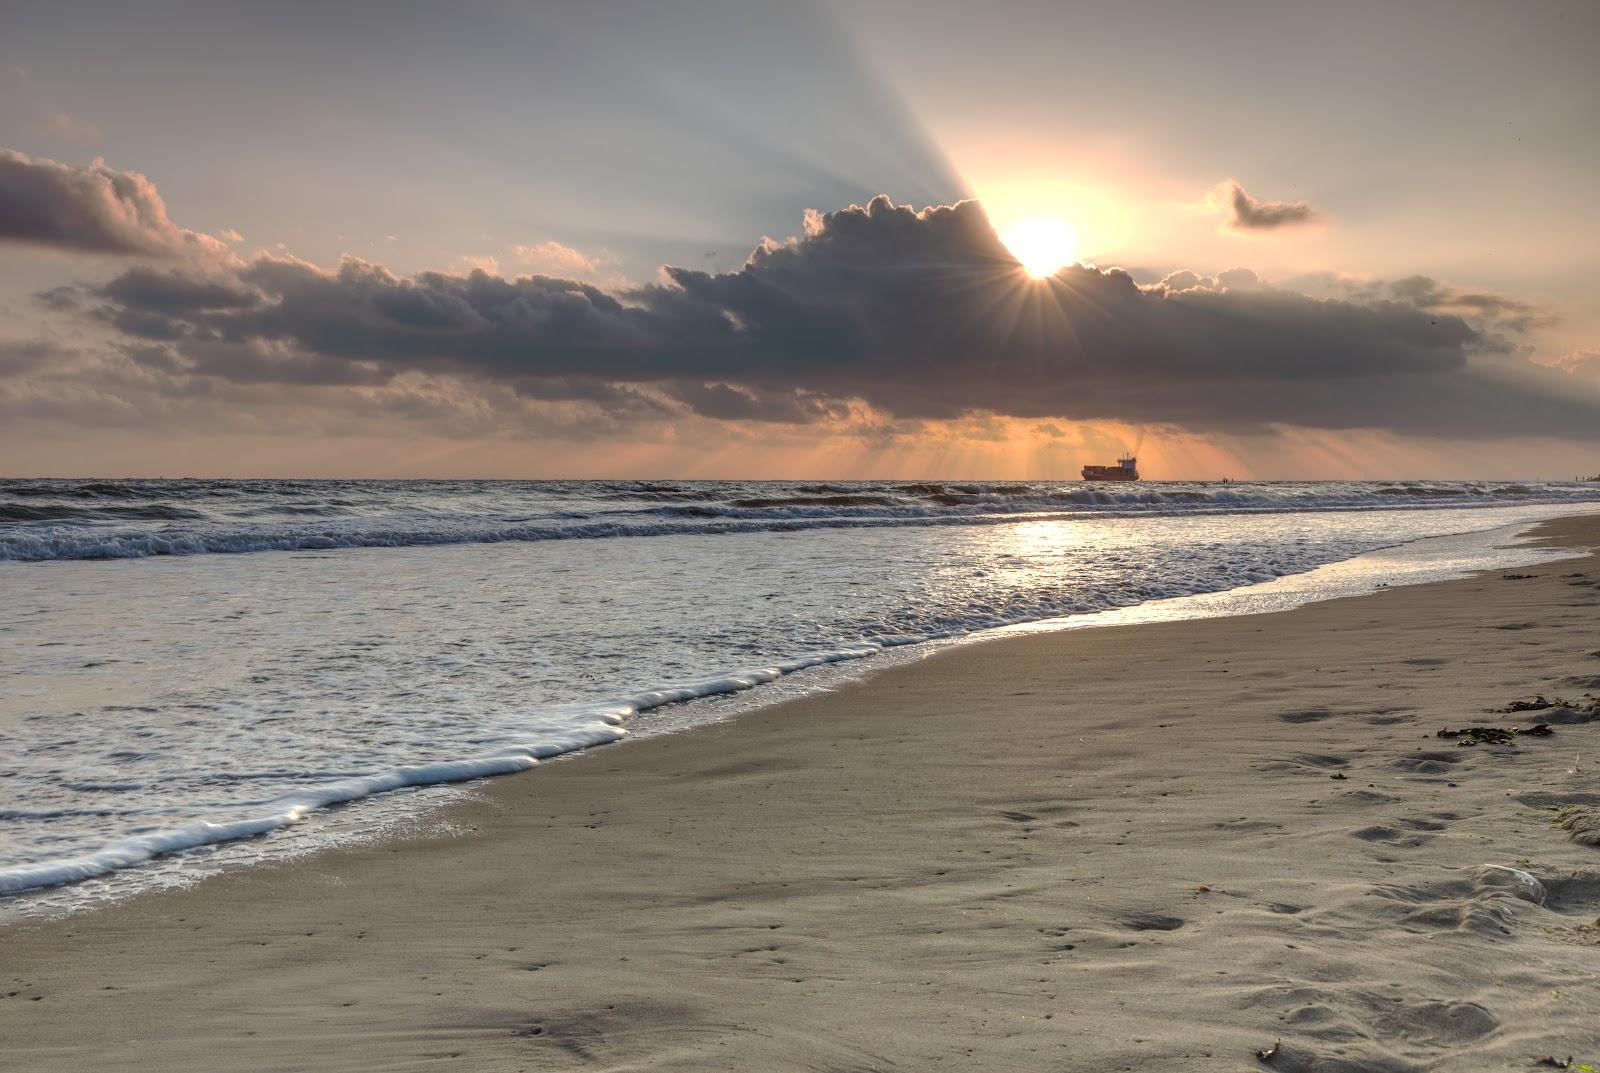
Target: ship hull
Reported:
point(1108, 473)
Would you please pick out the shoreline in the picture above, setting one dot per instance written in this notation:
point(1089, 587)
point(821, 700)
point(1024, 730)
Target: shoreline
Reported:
point(974, 857)
point(299, 817)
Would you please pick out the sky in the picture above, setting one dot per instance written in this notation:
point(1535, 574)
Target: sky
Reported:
point(734, 239)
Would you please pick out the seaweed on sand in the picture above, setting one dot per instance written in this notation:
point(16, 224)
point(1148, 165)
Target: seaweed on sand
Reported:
point(1496, 735)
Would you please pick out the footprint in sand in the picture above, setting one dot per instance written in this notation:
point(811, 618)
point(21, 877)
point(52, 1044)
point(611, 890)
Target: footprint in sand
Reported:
point(1430, 1022)
point(1543, 800)
point(1308, 715)
point(1578, 893)
point(1151, 922)
point(1562, 715)
point(1389, 836)
point(1427, 763)
point(1303, 764)
point(1487, 900)
point(1362, 1031)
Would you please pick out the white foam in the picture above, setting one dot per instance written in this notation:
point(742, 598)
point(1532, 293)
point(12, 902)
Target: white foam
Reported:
point(288, 810)
point(292, 809)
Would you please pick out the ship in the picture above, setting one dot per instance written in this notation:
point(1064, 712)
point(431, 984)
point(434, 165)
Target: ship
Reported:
point(1126, 469)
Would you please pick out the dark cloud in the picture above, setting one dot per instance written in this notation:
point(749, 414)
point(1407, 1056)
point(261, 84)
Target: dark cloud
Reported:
point(173, 291)
point(150, 303)
point(28, 355)
point(143, 325)
point(1507, 314)
point(1252, 214)
point(65, 299)
point(730, 402)
point(1485, 311)
point(921, 314)
point(94, 209)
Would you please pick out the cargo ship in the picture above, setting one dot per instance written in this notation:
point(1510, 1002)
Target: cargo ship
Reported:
point(1126, 469)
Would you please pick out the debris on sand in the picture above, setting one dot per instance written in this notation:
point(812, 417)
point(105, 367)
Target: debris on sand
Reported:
point(1516, 577)
point(1269, 1053)
point(1537, 704)
point(1587, 704)
point(1496, 735)
point(1581, 824)
point(1522, 884)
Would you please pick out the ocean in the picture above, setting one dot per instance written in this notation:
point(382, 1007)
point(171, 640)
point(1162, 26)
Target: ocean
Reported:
point(200, 674)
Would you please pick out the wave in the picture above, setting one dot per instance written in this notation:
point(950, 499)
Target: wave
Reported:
point(816, 501)
point(48, 545)
point(154, 512)
point(586, 725)
point(594, 724)
point(209, 517)
point(258, 802)
point(649, 491)
point(289, 809)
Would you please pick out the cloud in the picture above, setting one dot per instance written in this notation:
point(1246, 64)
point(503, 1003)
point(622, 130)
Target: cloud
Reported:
point(151, 303)
point(486, 263)
point(917, 315)
point(554, 259)
point(1235, 279)
point(732, 402)
point(1581, 363)
point(549, 258)
point(255, 362)
point(94, 209)
point(18, 356)
point(1508, 314)
point(1492, 311)
point(1252, 214)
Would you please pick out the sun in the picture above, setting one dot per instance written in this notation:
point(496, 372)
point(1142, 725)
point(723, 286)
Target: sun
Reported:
point(1042, 244)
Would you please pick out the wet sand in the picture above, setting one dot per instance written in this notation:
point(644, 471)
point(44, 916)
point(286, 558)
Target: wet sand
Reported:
point(1150, 847)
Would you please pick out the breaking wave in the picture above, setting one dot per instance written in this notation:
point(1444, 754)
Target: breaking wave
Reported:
point(42, 520)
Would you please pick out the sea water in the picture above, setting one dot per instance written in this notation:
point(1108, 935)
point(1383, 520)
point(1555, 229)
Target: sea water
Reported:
point(196, 672)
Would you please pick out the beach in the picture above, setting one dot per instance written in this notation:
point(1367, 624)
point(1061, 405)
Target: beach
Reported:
point(1161, 846)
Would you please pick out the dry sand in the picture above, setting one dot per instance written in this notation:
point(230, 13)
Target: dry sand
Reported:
point(1127, 848)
